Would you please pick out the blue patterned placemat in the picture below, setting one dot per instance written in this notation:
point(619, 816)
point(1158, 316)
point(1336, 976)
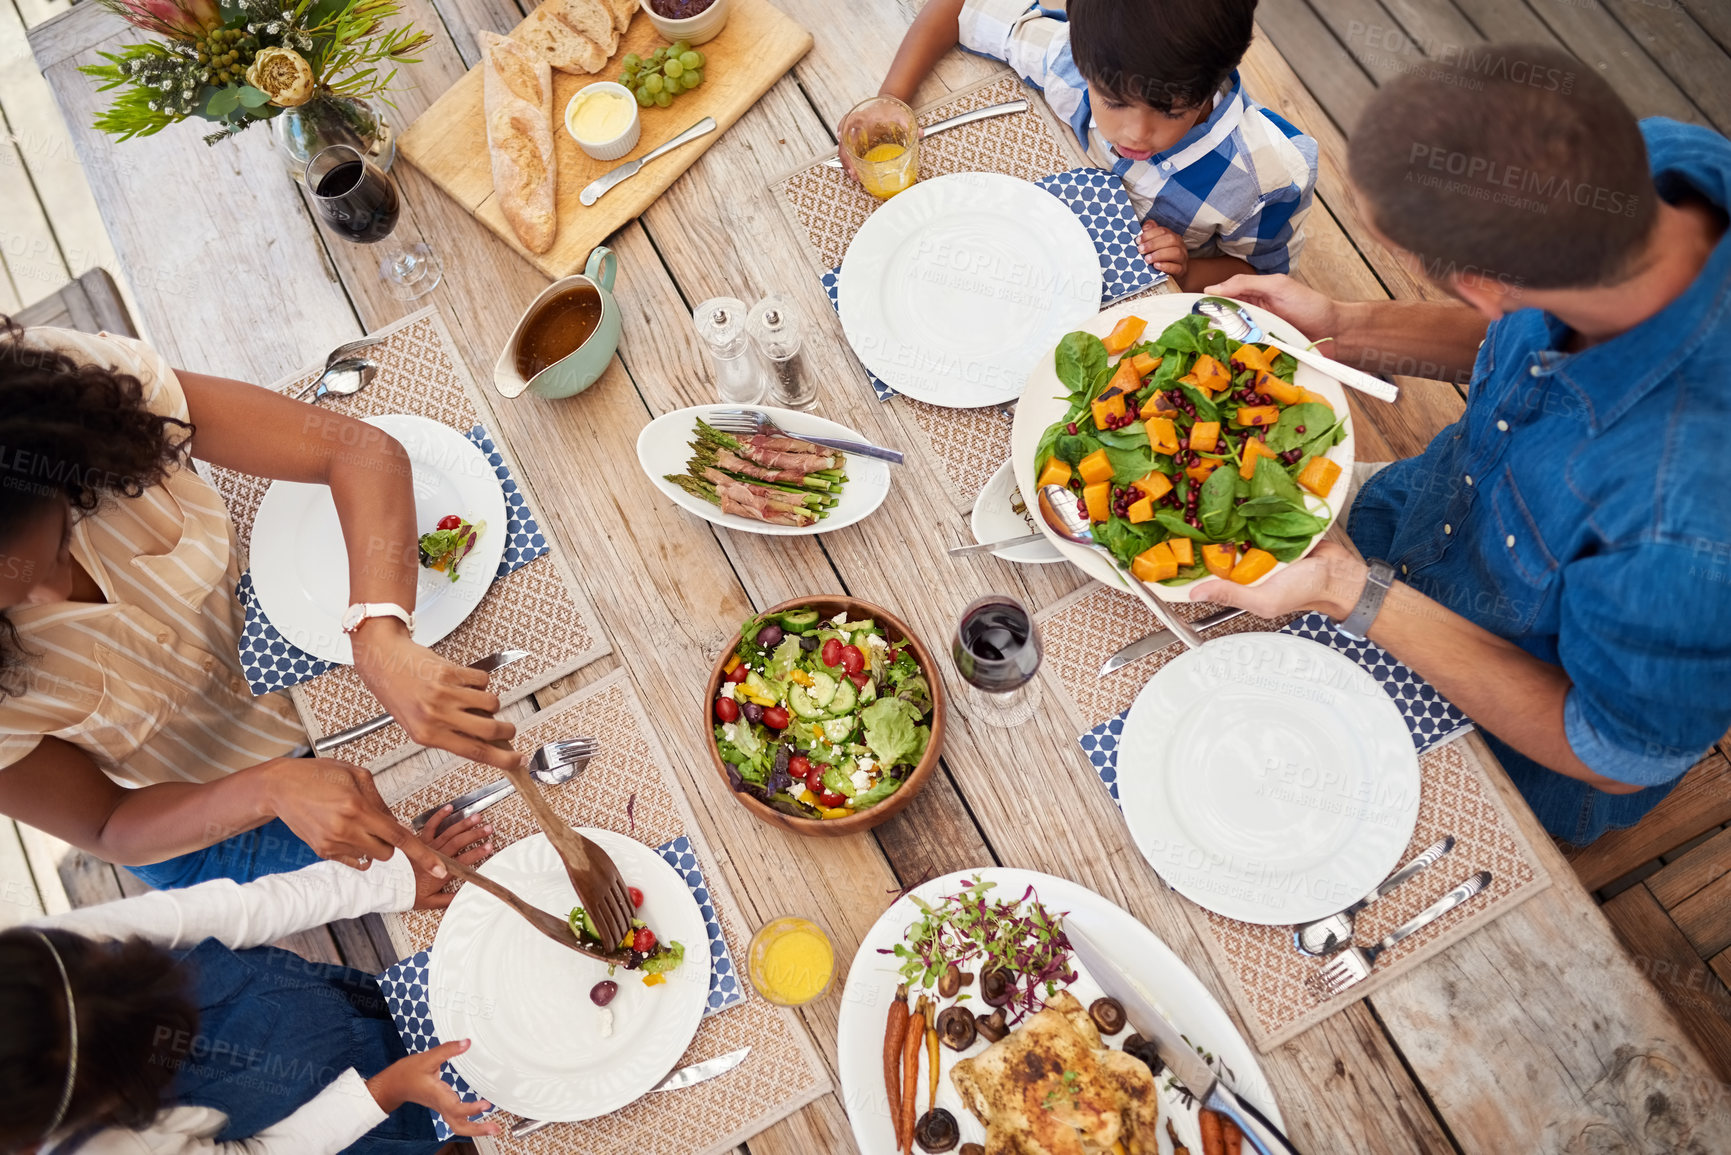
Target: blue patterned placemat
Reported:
point(272, 662)
point(406, 990)
point(1099, 200)
point(1431, 718)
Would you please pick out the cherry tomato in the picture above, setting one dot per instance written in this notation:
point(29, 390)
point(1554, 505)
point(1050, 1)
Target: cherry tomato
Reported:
point(814, 781)
point(832, 652)
point(895, 652)
point(799, 766)
point(831, 801)
point(739, 674)
point(450, 521)
point(636, 896)
point(727, 709)
point(852, 659)
point(859, 680)
point(643, 941)
point(775, 718)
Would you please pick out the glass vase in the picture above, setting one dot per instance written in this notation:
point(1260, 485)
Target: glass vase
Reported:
point(305, 130)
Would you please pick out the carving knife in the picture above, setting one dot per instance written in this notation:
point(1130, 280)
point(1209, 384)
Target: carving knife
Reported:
point(1181, 1059)
point(331, 741)
point(683, 1077)
point(1160, 639)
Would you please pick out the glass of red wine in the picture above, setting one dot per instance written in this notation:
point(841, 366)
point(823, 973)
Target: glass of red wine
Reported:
point(997, 652)
point(359, 202)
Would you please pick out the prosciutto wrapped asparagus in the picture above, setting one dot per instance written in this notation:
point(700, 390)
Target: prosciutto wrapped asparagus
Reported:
point(774, 479)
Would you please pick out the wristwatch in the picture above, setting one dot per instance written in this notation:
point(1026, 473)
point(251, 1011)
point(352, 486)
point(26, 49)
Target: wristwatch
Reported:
point(361, 611)
point(1376, 587)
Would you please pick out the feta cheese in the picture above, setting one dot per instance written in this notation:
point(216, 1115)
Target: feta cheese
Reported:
point(865, 765)
point(606, 1021)
point(839, 620)
point(877, 640)
point(727, 689)
point(861, 780)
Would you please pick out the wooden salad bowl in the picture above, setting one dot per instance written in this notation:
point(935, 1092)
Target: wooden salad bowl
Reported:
point(897, 631)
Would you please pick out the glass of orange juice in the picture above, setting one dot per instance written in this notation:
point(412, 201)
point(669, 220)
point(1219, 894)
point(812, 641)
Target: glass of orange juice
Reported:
point(790, 961)
point(883, 142)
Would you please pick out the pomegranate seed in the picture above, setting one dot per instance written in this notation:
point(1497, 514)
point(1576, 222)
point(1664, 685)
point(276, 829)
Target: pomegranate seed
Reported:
point(1301, 429)
point(1184, 443)
point(1082, 508)
point(1070, 428)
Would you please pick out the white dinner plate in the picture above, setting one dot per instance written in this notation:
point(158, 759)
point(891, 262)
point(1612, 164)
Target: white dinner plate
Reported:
point(872, 980)
point(1268, 778)
point(952, 290)
point(300, 563)
point(537, 1049)
point(664, 447)
point(996, 517)
point(1045, 401)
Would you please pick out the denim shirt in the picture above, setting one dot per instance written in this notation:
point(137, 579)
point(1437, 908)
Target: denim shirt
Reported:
point(1581, 508)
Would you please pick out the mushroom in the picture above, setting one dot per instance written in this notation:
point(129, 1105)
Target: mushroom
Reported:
point(971, 1149)
point(992, 1025)
point(950, 981)
point(1108, 1015)
point(956, 1028)
point(997, 987)
point(937, 1131)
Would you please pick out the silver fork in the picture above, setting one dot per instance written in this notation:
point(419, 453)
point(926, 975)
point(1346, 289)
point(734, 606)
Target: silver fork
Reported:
point(1353, 964)
point(749, 423)
point(1327, 935)
point(553, 763)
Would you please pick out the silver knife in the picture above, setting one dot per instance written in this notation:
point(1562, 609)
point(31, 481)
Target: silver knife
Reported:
point(978, 114)
point(331, 741)
point(683, 1077)
point(605, 182)
point(1160, 639)
point(1181, 1059)
point(991, 546)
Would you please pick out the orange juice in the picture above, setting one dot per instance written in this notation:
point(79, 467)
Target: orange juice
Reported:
point(886, 169)
point(883, 139)
point(790, 961)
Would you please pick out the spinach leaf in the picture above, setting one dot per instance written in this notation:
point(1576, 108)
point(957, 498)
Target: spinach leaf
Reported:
point(1270, 480)
point(1264, 506)
point(1173, 522)
point(1129, 464)
point(1186, 574)
point(1172, 366)
point(1101, 380)
point(1079, 358)
point(1183, 334)
point(1206, 409)
point(1285, 365)
point(1318, 421)
point(1134, 436)
point(1283, 548)
point(1216, 501)
point(1292, 523)
point(1126, 540)
point(1070, 449)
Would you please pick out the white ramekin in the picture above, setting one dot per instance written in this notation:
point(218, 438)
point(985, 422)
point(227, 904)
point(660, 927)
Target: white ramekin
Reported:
point(618, 146)
point(696, 30)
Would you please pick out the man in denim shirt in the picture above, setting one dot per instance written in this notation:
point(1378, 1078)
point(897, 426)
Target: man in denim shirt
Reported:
point(1561, 555)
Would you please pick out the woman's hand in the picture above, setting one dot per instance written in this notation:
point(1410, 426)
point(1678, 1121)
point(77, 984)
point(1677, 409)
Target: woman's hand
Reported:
point(1163, 249)
point(469, 841)
point(1303, 306)
point(1329, 580)
point(336, 809)
point(438, 703)
point(415, 1079)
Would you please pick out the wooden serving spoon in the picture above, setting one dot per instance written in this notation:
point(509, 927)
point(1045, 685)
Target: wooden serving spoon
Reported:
point(554, 927)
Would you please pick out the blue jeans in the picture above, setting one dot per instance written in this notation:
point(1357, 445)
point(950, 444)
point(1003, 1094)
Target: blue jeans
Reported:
point(271, 849)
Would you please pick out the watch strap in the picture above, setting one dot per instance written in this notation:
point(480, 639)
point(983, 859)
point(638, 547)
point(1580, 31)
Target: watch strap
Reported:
point(361, 612)
point(1377, 583)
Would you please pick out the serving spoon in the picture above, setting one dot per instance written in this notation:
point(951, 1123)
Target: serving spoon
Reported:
point(1229, 319)
point(1058, 508)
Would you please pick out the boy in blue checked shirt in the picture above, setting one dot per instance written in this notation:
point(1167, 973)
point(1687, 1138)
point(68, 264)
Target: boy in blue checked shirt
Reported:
point(1151, 90)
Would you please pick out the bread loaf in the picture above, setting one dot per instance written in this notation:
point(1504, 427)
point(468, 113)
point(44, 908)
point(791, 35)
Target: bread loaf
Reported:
point(517, 96)
point(589, 18)
point(623, 11)
point(559, 44)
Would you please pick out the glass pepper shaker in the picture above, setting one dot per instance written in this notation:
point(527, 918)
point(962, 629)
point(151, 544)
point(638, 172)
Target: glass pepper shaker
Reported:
point(723, 326)
point(775, 328)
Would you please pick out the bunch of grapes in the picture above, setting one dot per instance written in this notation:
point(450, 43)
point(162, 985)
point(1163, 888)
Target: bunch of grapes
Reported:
point(666, 73)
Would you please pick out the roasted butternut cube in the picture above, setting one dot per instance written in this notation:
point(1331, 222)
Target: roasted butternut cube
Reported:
point(1319, 475)
point(1255, 415)
point(1124, 334)
point(1254, 451)
point(1311, 395)
point(1205, 436)
point(1162, 435)
point(1220, 558)
point(1141, 510)
point(1284, 392)
point(1145, 363)
point(1199, 472)
point(1210, 374)
point(1095, 467)
point(1057, 472)
point(1183, 551)
point(1156, 485)
point(1108, 408)
point(1155, 564)
point(1098, 497)
point(1250, 357)
point(1254, 564)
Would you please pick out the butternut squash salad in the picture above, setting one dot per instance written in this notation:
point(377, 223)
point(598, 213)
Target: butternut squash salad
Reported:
point(1191, 454)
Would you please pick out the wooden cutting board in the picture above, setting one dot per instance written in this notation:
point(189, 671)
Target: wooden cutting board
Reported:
point(448, 142)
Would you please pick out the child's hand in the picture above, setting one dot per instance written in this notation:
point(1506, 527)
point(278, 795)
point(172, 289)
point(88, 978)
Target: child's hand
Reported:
point(415, 1079)
point(1163, 249)
point(469, 842)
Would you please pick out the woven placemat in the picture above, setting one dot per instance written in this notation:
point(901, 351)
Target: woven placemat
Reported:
point(536, 607)
point(1270, 980)
point(618, 791)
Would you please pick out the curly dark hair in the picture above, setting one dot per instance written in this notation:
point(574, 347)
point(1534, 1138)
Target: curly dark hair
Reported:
point(132, 1000)
point(71, 433)
point(1170, 55)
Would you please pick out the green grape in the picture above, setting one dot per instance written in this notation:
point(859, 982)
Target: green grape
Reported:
point(654, 84)
point(678, 47)
point(691, 79)
point(663, 99)
point(690, 60)
point(632, 60)
point(644, 96)
point(660, 55)
point(673, 69)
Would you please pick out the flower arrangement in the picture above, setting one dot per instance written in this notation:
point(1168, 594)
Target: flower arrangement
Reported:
point(238, 62)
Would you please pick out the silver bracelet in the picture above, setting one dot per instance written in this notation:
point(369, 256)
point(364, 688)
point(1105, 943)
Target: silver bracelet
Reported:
point(1376, 586)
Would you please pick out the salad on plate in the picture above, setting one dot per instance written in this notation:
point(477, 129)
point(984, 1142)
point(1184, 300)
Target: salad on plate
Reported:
point(443, 548)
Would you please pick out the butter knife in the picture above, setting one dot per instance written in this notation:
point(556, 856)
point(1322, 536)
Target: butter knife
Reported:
point(977, 114)
point(1160, 639)
point(683, 1077)
point(604, 183)
point(331, 741)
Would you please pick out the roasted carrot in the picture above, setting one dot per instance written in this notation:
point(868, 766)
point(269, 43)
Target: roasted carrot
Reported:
point(1234, 1137)
point(910, 1079)
point(895, 1031)
point(1213, 1135)
point(932, 1055)
point(1177, 1147)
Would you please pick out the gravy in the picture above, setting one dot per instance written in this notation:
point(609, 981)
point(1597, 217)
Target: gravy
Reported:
point(558, 328)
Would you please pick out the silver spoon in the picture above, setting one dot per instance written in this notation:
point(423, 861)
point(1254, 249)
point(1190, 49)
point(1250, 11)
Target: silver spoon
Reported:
point(341, 380)
point(1331, 933)
point(1058, 508)
point(1230, 319)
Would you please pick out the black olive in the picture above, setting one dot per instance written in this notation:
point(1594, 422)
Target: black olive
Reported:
point(992, 1025)
point(996, 986)
point(937, 1131)
point(807, 642)
point(950, 981)
point(971, 1149)
point(956, 1027)
point(1108, 1015)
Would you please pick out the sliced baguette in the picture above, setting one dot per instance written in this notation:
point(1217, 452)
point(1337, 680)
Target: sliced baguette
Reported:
point(559, 44)
point(588, 18)
point(517, 96)
point(623, 11)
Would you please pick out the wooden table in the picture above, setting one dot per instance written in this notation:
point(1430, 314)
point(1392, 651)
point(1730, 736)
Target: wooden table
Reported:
point(1537, 1033)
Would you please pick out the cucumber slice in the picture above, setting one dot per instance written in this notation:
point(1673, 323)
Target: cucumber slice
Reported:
point(822, 690)
point(802, 703)
point(755, 684)
point(838, 782)
point(583, 924)
point(797, 620)
point(867, 693)
point(839, 729)
point(861, 627)
point(844, 698)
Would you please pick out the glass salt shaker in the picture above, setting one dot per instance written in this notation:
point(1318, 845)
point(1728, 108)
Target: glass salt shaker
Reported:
point(775, 329)
point(723, 326)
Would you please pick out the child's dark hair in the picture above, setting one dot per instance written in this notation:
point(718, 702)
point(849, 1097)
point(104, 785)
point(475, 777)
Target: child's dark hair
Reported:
point(1170, 55)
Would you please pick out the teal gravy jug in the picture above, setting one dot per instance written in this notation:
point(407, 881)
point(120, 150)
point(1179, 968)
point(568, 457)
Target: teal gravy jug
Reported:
point(578, 369)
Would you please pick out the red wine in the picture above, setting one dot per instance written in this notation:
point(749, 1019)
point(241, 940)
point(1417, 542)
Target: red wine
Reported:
point(359, 203)
point(996, 649)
